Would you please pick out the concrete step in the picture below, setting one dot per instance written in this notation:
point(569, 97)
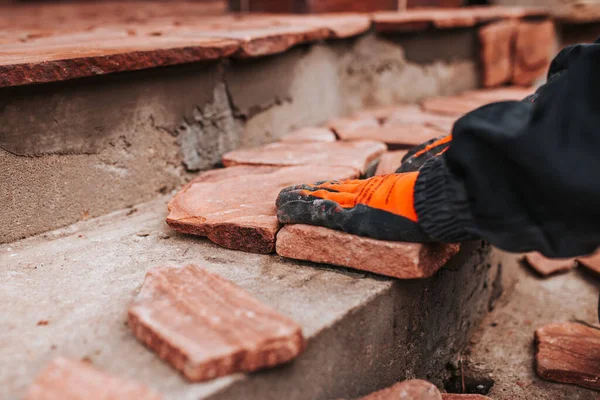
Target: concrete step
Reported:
point(68, 291)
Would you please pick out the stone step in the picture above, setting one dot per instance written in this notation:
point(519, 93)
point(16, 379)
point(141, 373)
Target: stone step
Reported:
point(68, 292)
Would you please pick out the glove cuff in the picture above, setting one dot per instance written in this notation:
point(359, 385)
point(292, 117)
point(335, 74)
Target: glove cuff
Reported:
point(441, 204)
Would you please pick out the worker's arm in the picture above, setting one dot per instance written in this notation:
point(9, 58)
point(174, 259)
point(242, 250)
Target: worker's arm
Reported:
point(522, 175)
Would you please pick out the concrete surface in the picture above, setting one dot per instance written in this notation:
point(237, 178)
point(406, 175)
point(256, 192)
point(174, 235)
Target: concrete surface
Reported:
point(503, 347)
point(364, 332)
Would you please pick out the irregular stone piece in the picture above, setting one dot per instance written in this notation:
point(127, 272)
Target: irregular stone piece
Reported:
point(415, 389)
point(206, 327)
point(591, 262)
point(496, 44)
point(546, 266)
point(534, 46)
point(414, 114)
point(344, 127)
point(235, 207)
point(394, 259)
point(390, 162)
point(310, 134)
point(517, 93)
point(454, 396)
point(75, 380)
point(396, 136)
point(357, 154)
point(569, 353)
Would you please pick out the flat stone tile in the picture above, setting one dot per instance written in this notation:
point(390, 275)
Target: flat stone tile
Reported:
point(393, 259)
point(517, 93)
point(390, 162)
point(348, 127)
point(310, 134)
point(206, 327)
point(76, 380)
point(591, 262)
point(408, 390)
point(235, 207)
point(413, 114)
point(453, 396)
point(534, 47)
point(356, 154)
point(569, 353)
point(545, 266)
point(339, 25)
point(496, 52)
point(468, 101)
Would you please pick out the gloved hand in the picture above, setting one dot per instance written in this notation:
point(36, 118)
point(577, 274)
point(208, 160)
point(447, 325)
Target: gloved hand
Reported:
point(381, 207)
point(417, 156)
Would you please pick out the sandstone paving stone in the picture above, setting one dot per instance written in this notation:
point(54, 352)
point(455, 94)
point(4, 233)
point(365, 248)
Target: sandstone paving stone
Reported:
point(545, 266)
point(569, 353)
point(591, 262)
point(534, 45)
point(66, 379)
point(499, 94)
point(393, 259)
point(356, 154)
point(413, 114)
point(347, 128)
point(496, 48)
point(235, 207)
point(206, 327)
point(468, 101)
point(310, 134)
point(390, 162)
point(454, 396)
point(415, 389)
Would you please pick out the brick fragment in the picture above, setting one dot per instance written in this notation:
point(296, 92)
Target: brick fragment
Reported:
point(569, 353)
point(348, 127)
point(75, 380)
point(310, 134)
point(591, 262)
point(394, 259)
point(534, 45)
point(414, 114)
point(454, 396)
point(235, 207)
point(496, 44)
point(207, 327)
point(546, 266)
point(415, 389)
point(390, 162)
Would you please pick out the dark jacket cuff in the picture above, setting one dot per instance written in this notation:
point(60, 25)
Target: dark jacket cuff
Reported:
point(441, 203)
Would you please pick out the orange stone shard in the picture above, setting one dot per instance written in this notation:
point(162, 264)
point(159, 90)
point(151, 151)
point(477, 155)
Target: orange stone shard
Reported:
point(310, 134)
point(546, 266)
point(534, 47)
point(496, 44)
point(569, 353)
point(453, 396)
point(75, 380)
point(235, 207)
point(390, 162)
point(207, 327)
point(415, 389)
point(591, 262)
point(394, 259)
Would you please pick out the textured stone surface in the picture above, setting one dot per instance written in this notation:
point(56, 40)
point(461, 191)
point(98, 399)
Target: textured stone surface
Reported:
point(453, 396)
point(499, 94)
point(545, 266)
point(496, 48)
point(390, 162)
point(534, 45)
point(468, 101)
point(408, 390)
point(310, 134)
point(357, 154)
point(415, 115)
point(75, 380)
point(308, 6)
point(591, 262)
point(569, 353)
point(235, 207)
point(394, 259)
point(207, 327)
point(351, 127)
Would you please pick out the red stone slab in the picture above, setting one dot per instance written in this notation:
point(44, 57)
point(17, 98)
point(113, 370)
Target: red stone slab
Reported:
point(413, 114)
point(545, 266)
point(390, 162)
point(408, 390)
point(394, 259)
point(534, 46)
point(517, 93)
point(453, 396)
point(75, 380)
point(311, 134)
point(496, 52)
point(339, 25)
point(311, 6)
point(357, 154)
point(569, 353)
point(347, 126)
point(591, 262)
point(207, 327)
point(235, 207)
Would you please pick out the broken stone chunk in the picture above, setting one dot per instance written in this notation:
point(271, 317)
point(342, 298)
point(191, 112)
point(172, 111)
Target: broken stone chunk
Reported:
point(451, 105)
point(591, 262)
point(390, 162)
point(311, 134)
point(415, 389)
point(206, 327)
point(413, 114)
point(235, 207)
point(394, 259)
point(569, 353)
point(546, 266)
point(535, 42)
point(496, 44)
point(76, 380)
point(350, 128)
point(499, 94)
point(358, 154)
point(454, 396)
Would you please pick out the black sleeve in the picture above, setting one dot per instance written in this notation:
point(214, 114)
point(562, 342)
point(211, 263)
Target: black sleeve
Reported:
point(524, 175)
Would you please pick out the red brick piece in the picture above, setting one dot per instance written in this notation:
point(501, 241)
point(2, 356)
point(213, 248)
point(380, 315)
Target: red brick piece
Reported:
point(569, 353)
point(413, 114)
point(453, 396)
point(75, 380)
point(415, 389)
point(534, 45)
point(206, 326)
point(311, 134)
point(312, 6)
point(499, 94)
point(344, 127)
point(390, 162)
point(358, 154)
point(235, 207)
point(591, 262)
point(394, 259)
point(545, 266)
point(496, 44)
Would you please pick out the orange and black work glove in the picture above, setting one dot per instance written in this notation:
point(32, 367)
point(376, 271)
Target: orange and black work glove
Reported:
point(381, 207)
point(417, 156)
